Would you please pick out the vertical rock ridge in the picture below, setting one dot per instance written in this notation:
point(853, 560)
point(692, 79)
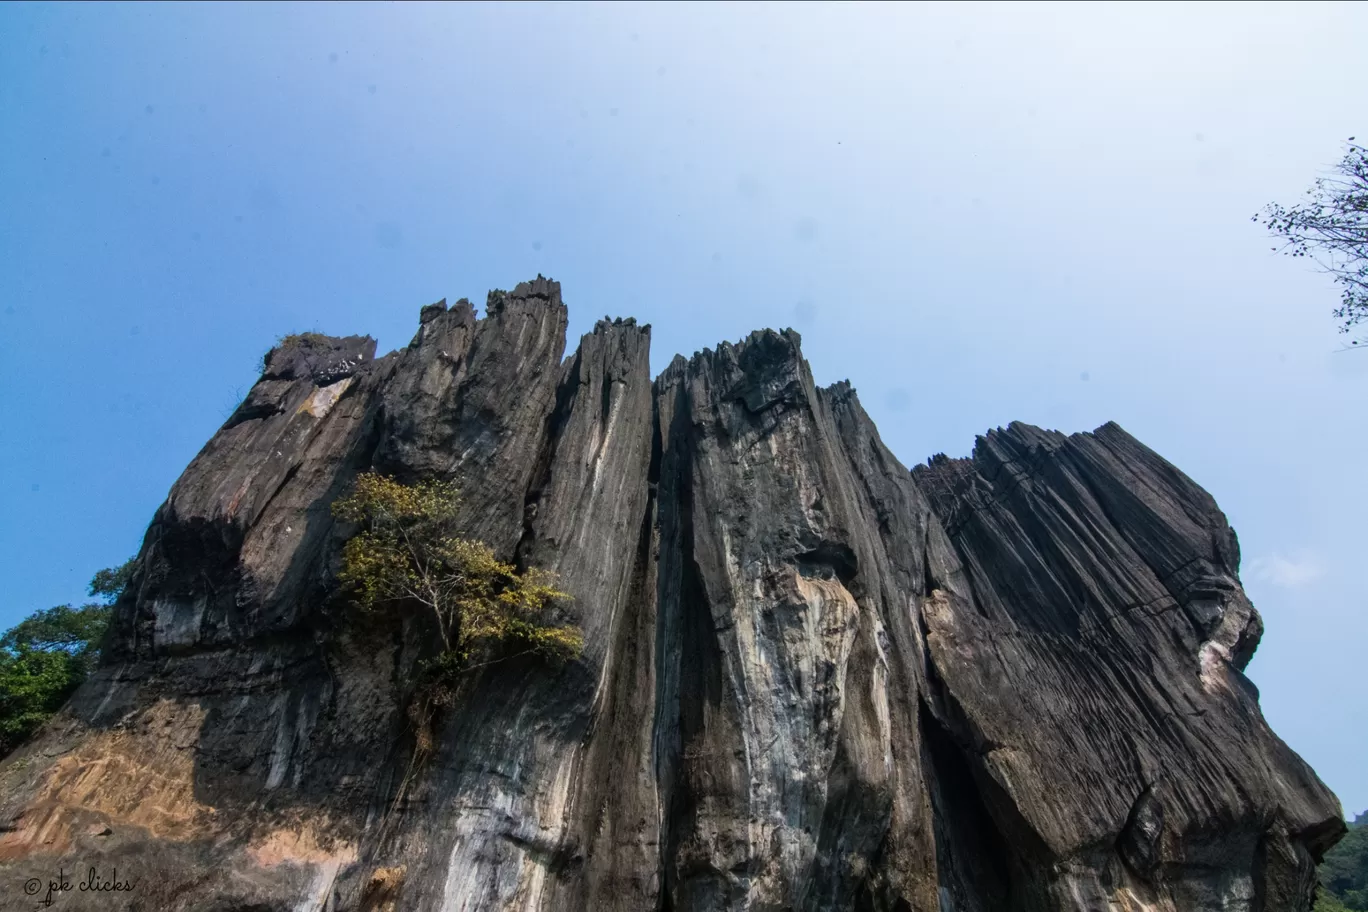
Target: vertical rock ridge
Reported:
point(1114, 617)
point(472, 401)
point(511, 769)
point(785, 769)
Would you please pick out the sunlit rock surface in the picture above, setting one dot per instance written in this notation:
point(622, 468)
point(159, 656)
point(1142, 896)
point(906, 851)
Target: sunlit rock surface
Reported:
point(812, 679)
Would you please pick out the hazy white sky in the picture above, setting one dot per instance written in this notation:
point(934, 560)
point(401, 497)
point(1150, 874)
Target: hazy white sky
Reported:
point(976, 213)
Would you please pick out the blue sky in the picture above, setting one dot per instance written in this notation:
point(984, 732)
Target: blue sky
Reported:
point(975, 213)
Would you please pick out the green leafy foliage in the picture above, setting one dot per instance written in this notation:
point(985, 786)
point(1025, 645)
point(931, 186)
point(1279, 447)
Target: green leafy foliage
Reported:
point(109, 583)
point(1344, 872)
point(406, 552)
point(46, 656)
point(1330, 228)
point(33, 685)
point(1328, 902)
point(74, 632)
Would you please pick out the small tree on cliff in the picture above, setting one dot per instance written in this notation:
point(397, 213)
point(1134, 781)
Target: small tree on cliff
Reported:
point(1330, 227)
point(483, 609)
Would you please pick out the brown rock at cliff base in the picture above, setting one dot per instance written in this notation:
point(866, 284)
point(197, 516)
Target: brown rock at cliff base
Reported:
point(812, 679)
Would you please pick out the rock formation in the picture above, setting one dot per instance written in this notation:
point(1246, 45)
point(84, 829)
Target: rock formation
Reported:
point(813, 680)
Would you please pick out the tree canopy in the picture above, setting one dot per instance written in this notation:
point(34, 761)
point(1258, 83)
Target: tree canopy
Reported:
point(1330, 227)
point(46, 656)
point(1344, 872)
point(483, 609)
point(406, 554)
point(109, 583)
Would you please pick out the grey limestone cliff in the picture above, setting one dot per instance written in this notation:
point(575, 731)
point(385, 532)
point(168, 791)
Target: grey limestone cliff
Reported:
point(813, 679)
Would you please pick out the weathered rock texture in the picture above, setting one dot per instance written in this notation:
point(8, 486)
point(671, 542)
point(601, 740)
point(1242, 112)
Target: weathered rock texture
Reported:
point(813, 679)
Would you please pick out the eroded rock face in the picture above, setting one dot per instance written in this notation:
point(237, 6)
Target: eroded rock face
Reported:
point(812, 679)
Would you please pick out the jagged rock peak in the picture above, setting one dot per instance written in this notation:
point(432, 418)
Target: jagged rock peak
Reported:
point(432, 311)
point(608, 322)
point(541, 289)
point(324, 359)
point(812, 679)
